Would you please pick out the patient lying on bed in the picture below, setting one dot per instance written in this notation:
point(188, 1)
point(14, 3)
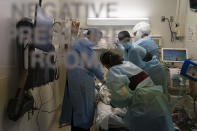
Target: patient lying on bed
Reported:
point(107, 117)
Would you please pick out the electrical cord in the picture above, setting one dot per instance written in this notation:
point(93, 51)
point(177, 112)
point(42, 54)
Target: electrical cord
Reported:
point(26, 46)
point(37, 120)
point(37, 117)
point(57, 73)
point(195, 105)
point(171, 32)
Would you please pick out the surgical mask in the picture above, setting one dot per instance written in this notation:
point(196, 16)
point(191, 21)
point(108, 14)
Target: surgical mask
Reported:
point(127, 45)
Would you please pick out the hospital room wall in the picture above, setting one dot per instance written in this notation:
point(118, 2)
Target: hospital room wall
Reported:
point(9, 79)
point(191, 21)
point(152, 9)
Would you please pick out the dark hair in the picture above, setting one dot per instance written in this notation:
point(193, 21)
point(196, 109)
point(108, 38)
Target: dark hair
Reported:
point(110, 59)
point(24, 22)
point(123, 34)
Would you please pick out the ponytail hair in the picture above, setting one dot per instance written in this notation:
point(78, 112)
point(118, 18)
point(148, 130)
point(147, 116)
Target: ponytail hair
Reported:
point(110, 59)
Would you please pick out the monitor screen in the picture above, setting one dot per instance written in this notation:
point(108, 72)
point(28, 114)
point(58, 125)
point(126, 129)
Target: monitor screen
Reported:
point(193, 4)
point(174, 55)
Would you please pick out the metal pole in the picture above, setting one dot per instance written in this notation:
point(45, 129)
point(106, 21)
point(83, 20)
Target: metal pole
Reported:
point(40, 3)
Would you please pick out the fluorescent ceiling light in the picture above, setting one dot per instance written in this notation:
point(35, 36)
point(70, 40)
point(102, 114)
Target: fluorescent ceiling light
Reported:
point(114, 21)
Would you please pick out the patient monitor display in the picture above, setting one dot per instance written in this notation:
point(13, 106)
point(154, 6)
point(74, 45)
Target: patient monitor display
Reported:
point(189, 70)
point(174, 54)
point(193, 4)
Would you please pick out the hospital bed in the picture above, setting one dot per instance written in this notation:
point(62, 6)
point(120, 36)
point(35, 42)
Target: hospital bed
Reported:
point(107, 117)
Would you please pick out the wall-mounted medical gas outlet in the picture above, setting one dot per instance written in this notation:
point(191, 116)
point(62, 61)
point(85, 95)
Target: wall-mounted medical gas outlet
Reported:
point(171, 19)
point(177, 29)
point(163, 19)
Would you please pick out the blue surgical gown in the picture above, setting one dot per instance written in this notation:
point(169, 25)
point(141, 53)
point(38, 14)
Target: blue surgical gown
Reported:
point(132, 52)
point(147, 105)
point(157, 73)
point(153, 67)
point(79, 98)
point(149, 44)
point(149, 111)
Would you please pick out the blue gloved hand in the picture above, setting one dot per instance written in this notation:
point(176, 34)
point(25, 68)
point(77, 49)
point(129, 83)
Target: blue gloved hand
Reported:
point(117, 42)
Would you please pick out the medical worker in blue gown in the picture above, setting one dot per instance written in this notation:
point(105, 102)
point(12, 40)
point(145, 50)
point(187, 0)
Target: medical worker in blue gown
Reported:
point(141, 32)
point(131, 87)
point(140, 57)
point(125, 45)
point(79, 98)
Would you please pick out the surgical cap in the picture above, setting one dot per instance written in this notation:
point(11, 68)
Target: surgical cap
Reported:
point(142, 28)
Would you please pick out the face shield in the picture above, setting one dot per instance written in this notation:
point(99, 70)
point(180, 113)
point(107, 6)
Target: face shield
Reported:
point(94, 35)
